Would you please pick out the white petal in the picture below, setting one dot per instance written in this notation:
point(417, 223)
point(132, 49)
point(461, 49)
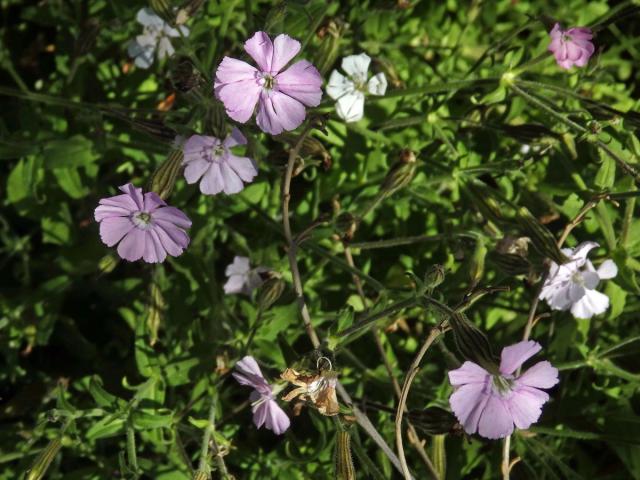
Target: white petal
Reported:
point(357, 66)
point(377, 84)
point(350, 107)
point(592, 303)
point(147, 18)
point(165, 49)
point(608, 269)
point(339, 85)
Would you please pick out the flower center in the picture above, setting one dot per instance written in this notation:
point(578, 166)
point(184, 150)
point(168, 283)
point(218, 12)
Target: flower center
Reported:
point(141, 220)
point(501, 384)
point(566, 38)
point(268, 81)
point(577, 278)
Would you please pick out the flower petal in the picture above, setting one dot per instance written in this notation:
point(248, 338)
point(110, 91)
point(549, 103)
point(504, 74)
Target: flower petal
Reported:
point(357, 66)
point(303, 82)
point(514, 356)
point(261, 50)
point(147, 17)
point(469, 372)
point(592, 303)
point(243, 166)
point(212, 182)
point(284, 49)
point(277, 421)
point(173, 240)
point(112, 229)
point(541, 375)
point(278, 112)
point(240, 266)
point(377, 84)
point(172, 215)
point(235, 138)
point(230, 179)
point(525, 408)
point(608, 269)
point(132, 246)
point(496, 420)
point(165, 49)
point(232, 70)
point(467, 403)
point(339, 85)
point(350, 107)
point(234, 285)
point(195, 169)
point(247, 372)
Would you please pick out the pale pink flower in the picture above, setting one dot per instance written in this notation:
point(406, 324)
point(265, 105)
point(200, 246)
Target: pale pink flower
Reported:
point(280, 95)
point(145, 225)
point(211, 161)
point(572, 285)
point(263, 405)
point(571, 47)
point(491, 404)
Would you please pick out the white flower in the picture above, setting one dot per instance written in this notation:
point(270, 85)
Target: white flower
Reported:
point(573, 284)
point(155, 36)
point(349, 91)
point(242, 278)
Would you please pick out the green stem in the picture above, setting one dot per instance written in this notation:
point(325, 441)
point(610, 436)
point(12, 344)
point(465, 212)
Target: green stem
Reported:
point(131, 449)
point(438, 88)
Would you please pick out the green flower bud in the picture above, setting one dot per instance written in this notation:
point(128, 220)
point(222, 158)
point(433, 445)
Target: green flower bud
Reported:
point(439, 455)
point(42, 462)
point(541, 238)
point(401, 173)
point(346, 225)
point(433, 420)
point(164, 178)
point(200, 475)
point(330, 47)
point(270, 291)
point(344, 468)
point(472, 343)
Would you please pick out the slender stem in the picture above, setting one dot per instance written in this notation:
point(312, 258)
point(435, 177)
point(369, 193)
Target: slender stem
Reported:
point(413, 370)
point(293, 264)
point(208, 436)
point(506, 446)
point(395, 242)
point(361, 418)
point(628, 169)
point(401, 305)
point(414, 438)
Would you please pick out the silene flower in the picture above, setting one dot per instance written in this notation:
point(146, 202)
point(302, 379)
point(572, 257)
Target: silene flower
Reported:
point(280, 95)
point(243, 278)
point(571, 47)
point(144, 225)
point(491, 404)
point(572, 285)
point(263, 405)
point(350, 91)
point(155, 37)
point(211, 161)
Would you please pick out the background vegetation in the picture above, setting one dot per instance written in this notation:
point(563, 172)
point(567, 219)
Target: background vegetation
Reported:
point(111, 368)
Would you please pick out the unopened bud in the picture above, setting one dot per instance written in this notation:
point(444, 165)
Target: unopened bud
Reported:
point(433, 420)
point(164, 178)
point(214, 121)
point(542, 239)
point(330, 47)
point(401, 173)
point(43, 460)
point(344, 468)
point(472, 343)
point(432, 278)
point(184, 76)
point(270, 291)
point(201, 475)
point(346, 225)
point(187, 10)
point(439, 455)
point(163, 9)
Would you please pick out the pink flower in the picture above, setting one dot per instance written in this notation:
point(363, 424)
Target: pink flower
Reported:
point(491, 404)
point(143, 224)
point(265, 409)
point(571, 47)
point(211, 160)
point(280, 95)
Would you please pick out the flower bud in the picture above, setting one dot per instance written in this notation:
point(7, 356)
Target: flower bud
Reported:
point(476, 268)
point(330, 47)
point(163, 9)
point(43, 460)
point(472, 343)
point(214, 121)
point(401, 173)
point(164, 178)
point(344, 468)
point(433, 278)
point(541, 238)
point(270, 291)
point(346, 225)
point(201, 475)
point(184, 76)
point(187, 10)
point(439, 455)
point(433, 420)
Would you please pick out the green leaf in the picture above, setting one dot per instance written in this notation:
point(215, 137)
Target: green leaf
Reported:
point(606, 175)
point(22, 180)
point(76, 151)
point(107, 427)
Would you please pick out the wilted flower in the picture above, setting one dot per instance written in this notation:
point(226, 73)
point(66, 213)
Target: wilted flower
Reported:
point(572, 285)
point(145, 225)
point(491, 404)
point(263, 405)
point(280, 95)
point(155, 35)
point(211, 160)
point(571, 47)
point(242, 278)
point(349, 91)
